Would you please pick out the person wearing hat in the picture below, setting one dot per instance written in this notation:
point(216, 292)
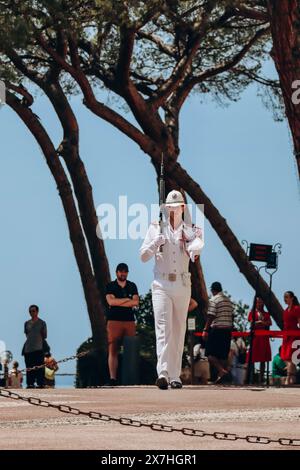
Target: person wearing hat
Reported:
point(121, 296)
point(217, 331)
point(173, 245)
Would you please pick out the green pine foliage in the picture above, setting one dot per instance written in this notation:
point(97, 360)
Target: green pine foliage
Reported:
point(164, 34)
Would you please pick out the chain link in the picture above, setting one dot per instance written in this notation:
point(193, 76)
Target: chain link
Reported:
point(66, 359)
point(153, 426)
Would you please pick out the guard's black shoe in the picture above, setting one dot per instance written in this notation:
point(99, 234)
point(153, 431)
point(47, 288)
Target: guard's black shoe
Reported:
point(176, 384)
point(162, 383)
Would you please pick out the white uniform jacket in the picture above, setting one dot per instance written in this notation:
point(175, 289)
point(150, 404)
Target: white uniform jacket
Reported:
point(182, 244)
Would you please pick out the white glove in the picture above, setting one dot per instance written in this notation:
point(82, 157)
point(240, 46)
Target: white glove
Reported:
point(193, 256)
point(159, 240)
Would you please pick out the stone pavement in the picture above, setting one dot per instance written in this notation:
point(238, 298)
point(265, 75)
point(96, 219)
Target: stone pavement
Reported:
point(272, 412)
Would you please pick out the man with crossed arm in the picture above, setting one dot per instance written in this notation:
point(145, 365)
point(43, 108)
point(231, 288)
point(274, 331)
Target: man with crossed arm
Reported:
point(121, 296)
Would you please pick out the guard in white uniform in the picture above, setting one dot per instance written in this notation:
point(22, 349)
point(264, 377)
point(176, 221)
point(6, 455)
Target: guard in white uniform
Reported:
point(171, 288)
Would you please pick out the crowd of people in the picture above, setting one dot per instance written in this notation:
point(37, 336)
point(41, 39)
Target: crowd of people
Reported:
point(219, 357)
point(230, 356)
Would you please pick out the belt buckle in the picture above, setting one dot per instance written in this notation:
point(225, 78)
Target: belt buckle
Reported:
point(172, 277)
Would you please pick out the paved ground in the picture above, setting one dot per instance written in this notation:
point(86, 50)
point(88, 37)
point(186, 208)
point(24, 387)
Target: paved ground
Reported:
point(270, 412)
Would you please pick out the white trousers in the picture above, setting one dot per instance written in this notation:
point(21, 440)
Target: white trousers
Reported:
point(170, 303)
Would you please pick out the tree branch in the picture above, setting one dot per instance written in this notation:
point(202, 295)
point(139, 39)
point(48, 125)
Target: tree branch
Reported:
point(251, 13)
point(257, 78)
point(37, 78)
point(221, 68)
point(161, 45)
point(27, 97)
point(199, 29)
point(151, 15)
point(90, 100)
point(179, 71)
point(125, 55)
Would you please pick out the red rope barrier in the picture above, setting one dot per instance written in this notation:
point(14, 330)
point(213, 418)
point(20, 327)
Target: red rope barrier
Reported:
point(269, 333)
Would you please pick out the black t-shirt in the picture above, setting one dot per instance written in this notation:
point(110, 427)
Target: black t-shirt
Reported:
point(118, 313)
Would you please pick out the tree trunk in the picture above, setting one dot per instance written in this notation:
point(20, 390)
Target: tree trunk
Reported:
point(69, 149)
point(285, 28)
point(91, 292)
point(84, 196)
point(199, 290)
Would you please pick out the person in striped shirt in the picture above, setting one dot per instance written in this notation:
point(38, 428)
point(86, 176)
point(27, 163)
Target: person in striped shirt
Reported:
point(217, 331)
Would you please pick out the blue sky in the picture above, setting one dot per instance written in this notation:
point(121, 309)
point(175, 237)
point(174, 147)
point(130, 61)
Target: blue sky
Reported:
point(242, 159)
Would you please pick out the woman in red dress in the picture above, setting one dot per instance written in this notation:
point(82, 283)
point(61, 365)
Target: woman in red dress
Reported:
point(261, 350)
point(291, 321)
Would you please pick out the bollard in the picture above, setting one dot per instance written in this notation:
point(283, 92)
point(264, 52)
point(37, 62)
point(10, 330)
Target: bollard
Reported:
point(6, 375)
point(130, 369)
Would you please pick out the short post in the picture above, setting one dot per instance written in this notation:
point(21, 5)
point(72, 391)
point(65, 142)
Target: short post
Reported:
point(130, 370)
point(191, 327)
point(5, 370)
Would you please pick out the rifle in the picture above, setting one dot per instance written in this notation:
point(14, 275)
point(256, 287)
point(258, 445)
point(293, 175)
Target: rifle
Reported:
point(162, 196)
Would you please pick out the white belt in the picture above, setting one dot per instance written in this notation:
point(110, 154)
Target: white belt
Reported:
point(173, 277)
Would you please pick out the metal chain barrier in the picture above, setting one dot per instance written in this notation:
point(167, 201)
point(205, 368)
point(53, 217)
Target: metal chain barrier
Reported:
point(254, 439)
point(66, 359)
